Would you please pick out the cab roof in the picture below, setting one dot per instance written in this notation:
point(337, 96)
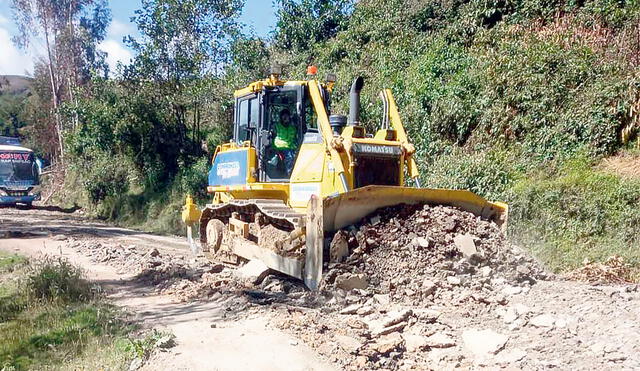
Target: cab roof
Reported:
point(273, 81)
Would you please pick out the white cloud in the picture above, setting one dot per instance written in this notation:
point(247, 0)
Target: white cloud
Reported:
point(116, 52)
point(13, 61)
point(117, 29)
point(3, 20)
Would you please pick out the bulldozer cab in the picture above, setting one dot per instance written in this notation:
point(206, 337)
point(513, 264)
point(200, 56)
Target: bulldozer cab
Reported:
point(256, 117)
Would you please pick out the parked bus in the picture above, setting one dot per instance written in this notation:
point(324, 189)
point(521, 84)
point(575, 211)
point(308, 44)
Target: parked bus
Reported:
point(19, 176)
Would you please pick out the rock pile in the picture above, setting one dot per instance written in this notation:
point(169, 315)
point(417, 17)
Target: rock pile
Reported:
point(178, 275)
point(421, 252)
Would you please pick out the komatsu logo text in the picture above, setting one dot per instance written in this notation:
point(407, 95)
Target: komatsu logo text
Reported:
point(376, 149)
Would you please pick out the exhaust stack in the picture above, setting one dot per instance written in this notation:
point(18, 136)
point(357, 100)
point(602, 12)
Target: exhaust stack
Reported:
point(354, 101)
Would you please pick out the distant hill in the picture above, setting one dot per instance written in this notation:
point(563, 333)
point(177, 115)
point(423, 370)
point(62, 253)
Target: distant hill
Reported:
point(14, 84)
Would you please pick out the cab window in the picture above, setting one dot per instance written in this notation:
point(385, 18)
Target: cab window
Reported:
point(310, 117)
point(247, 117)
point(285, 100)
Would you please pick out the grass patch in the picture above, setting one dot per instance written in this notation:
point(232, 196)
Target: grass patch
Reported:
point(574, 212)
point(56, 279)
point(53, 334)
point(564, 210)
point(51, 317)
point(151, 212)
point(9, 262)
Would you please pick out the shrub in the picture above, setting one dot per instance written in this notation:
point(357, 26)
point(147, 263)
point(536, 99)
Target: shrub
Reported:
point(56, 279)
point(570, 212)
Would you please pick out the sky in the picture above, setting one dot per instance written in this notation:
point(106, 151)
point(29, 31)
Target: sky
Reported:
point(257, 15)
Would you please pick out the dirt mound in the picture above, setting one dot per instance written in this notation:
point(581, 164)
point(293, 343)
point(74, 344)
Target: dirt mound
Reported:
point(613, 270)
point(625, 165)
point(413, 251)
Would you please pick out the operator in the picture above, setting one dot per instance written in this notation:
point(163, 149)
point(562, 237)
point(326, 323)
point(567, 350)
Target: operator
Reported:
point(285, 141)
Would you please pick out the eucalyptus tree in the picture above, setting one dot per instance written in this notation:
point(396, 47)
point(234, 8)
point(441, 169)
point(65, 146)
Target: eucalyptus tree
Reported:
point(70, 30)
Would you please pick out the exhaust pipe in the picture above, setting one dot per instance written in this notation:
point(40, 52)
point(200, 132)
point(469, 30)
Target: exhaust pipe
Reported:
point(354, 101)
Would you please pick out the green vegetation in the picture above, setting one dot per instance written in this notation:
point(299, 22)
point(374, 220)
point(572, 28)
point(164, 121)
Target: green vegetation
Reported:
point(10, 262)
point(580, 213)
point(517, 101)
point(51, 317)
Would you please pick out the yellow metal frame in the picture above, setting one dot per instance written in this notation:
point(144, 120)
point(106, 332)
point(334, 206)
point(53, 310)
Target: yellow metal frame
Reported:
point(323, 169)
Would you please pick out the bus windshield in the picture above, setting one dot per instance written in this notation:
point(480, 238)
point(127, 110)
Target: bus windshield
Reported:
point(18, 168)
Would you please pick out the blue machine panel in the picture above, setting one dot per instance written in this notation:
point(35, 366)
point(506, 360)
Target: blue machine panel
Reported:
point(229, 168)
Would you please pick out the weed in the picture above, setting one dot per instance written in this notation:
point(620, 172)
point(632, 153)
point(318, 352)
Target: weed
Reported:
point(10, 262)
point(142, 347)
point(57, 279)
point(58, 321)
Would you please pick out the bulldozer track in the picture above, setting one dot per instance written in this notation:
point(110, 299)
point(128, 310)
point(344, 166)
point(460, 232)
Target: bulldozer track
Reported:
point(276, 212)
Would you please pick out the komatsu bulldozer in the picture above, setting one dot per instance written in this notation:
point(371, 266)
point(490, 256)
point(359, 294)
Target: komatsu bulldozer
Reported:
point(263, 210)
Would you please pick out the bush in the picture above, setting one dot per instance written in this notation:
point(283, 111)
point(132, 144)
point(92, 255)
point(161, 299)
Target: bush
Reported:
point(571, 212)
point(56, 279)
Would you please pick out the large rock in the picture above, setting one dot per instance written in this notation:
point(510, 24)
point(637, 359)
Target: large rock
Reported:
point(348, 343)
point(543, 320)
point(254, 272)
point(396, 317)
point(512, 356)
point(466, 245)
point(440, 340)
point(350, 281)
point(339, 247)
point(484, 342)
point(382, 299)
point(510, 315)
point(428, 287)
point(387, 343)
point(351, 309)
point(394, 321)
point(414, 343)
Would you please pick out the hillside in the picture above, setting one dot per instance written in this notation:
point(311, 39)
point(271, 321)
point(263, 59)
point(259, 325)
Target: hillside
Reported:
point(516, 101)
point(15, 85)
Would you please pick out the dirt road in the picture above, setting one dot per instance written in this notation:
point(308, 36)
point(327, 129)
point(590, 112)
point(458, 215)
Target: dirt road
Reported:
point(225, 324)
point(208, 335)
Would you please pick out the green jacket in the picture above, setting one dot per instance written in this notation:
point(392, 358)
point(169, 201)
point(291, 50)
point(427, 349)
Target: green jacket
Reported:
point(285, 137)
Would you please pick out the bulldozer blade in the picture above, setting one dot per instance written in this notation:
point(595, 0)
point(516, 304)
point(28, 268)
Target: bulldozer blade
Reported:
point(350, 207)
point(314, 244)
point(195, 249)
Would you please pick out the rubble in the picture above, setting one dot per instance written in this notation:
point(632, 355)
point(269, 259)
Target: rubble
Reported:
point(614, 269)
point(349, 281)
point(415, 253)
point(180, 276)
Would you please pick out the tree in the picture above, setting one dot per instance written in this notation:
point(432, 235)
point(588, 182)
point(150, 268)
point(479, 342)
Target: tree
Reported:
point(303, 23)
point(71, 30)
point(184, 43)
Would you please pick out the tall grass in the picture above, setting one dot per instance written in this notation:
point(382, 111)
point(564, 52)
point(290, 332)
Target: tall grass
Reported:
point(50, 315)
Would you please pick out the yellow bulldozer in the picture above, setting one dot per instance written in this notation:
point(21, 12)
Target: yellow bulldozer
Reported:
point(277, 205)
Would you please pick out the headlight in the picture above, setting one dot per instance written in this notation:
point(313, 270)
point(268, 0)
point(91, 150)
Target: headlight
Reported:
point(34, 191)
point(3, 193)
